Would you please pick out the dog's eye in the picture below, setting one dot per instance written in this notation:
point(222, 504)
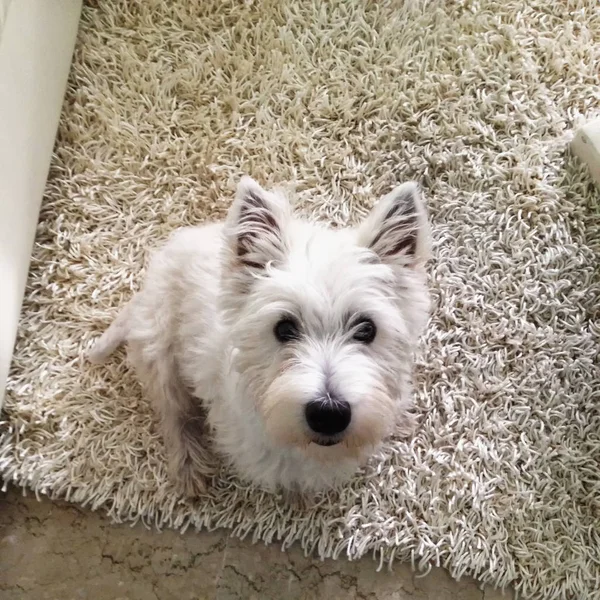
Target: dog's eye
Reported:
point(286, 330)
point(364, 331)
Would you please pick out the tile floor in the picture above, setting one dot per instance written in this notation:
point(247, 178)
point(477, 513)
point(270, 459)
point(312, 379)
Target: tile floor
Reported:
point(51, 551)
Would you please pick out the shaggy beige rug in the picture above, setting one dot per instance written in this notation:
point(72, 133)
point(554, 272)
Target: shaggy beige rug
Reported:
point(171, 100)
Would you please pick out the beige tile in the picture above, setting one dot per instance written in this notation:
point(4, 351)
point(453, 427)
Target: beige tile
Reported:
point(253, 572)
point(51, 551)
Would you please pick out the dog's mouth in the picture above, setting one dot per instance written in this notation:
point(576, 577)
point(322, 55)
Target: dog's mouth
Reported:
point(327, 442)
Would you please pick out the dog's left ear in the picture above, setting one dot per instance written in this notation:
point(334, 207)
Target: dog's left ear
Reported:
point(256, 226)
point(397, 229)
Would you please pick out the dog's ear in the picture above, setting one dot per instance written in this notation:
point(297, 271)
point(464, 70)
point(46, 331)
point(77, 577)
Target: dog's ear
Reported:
point(256, 226)
point(397, 229)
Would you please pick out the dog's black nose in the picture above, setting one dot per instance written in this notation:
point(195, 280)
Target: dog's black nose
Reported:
point(328, 417)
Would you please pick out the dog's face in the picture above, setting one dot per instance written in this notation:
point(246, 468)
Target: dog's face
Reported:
point(324, 321)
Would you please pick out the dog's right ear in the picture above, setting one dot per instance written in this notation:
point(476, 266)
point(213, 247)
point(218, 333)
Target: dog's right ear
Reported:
point(397, 230)
point(256, 226)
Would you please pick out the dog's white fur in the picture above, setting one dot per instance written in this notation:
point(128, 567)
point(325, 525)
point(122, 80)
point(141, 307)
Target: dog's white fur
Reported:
point(200, 335)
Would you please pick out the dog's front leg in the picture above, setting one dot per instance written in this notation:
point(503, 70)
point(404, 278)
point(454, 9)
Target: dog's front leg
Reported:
point(182, 417)
point(185, 433)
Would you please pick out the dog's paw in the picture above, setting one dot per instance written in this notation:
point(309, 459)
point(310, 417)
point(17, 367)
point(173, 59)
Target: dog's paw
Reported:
point(298, 500)
point(407, 425)
point(189, 482)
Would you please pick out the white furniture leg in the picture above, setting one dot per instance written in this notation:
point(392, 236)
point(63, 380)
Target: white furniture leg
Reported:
point(37, 38)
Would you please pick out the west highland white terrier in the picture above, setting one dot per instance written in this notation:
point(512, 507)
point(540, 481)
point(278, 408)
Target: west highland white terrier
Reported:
point(285, 346)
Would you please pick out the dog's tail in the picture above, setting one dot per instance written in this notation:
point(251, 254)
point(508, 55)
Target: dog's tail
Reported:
point(112, 338)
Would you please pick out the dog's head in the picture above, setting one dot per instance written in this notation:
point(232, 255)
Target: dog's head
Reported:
point(324, 321)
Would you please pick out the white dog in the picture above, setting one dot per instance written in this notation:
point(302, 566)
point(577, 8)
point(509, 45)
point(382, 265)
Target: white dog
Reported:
point(292, 341)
